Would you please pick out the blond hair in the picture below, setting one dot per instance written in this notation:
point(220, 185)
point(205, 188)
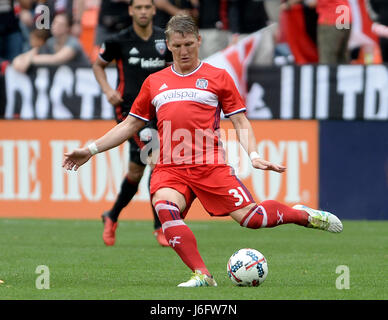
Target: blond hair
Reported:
point(183, 24)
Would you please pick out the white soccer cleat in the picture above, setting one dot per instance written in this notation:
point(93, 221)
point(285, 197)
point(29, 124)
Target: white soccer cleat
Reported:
point(322, 220)
point(199, 280)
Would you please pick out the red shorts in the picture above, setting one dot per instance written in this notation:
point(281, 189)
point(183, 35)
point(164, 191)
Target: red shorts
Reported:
point(216, 186)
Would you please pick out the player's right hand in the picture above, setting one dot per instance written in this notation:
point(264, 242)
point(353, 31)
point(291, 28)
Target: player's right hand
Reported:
point(114, 97)
point(262, 164)
point(76, 158)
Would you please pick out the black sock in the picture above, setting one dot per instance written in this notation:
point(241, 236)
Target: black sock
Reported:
point(127, 191)
point(157, 223)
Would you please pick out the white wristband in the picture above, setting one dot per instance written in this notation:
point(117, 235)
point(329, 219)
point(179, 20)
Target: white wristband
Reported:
point(254, 155)
point(93, 148)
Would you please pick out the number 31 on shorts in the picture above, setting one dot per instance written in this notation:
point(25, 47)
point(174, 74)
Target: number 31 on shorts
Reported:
point(239, 194)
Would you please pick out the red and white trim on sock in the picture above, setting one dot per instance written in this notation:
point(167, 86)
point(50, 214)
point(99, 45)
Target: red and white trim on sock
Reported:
point(271, 213)
point(252, 221)
point(179, 235)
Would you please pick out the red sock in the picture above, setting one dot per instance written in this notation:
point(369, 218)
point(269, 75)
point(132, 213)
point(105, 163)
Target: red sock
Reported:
point(179, 235)
point(271, 213)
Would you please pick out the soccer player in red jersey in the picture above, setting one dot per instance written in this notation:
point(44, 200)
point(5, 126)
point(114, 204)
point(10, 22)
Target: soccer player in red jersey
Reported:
point(187, 99)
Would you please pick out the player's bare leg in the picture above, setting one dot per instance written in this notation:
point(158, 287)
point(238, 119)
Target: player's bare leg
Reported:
point(169, 204)
point(271, 213)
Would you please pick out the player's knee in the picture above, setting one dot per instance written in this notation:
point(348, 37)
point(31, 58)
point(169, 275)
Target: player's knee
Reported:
point(167, 211)
point(135, 174)
point(172, 195)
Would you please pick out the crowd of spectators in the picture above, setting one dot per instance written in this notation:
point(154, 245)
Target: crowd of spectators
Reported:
point(37, 32)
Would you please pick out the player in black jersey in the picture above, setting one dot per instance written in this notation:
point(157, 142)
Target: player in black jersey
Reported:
point(138, 51)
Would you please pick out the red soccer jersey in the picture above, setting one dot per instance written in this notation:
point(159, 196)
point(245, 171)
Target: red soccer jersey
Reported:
point(188, 109)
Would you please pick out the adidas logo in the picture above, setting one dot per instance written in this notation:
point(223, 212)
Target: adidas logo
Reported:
point(164, 86)
point(134, 51)
point(133, 60)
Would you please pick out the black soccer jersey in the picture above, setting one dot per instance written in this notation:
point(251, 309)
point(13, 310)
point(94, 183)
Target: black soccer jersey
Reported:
point(135, 59)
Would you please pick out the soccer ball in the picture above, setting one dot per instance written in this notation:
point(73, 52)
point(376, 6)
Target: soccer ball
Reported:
point(247, 268)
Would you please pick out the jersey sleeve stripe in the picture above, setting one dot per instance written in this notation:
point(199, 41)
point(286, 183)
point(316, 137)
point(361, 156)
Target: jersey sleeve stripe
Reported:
point(234, 112)
point(139, 117)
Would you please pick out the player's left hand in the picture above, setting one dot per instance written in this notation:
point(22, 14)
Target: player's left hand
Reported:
point(262, 164)
point(76, 158)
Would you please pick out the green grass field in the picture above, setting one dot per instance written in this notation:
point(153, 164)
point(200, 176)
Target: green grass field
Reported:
point(302, 262)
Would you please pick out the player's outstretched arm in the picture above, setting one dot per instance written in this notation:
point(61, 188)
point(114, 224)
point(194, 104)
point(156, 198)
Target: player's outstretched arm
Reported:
point(248, 141)
point(114, 137)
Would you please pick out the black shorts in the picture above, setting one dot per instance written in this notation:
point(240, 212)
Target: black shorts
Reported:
point(144, 137)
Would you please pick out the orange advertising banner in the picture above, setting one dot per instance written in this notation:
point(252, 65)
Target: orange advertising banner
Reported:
point(34, 184)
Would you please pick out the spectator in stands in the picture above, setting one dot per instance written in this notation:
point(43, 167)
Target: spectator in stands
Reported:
point(245, 17)
point(213, 26)
point(380, 8)
point(11, 38)
point(298, 27)
point(363, 43)
point(112, 18)
point(73, 8)
point(3, 100)
point(165, 9)
point(38, 38)
point(26, 24)
point(334, 28)
point(61, 48)
point(78, 9)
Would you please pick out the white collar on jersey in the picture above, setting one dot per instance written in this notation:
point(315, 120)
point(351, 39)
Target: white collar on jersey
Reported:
point(186, 74)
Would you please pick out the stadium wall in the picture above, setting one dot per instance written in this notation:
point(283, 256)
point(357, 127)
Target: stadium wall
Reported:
point(34, 184)
point(354, 169)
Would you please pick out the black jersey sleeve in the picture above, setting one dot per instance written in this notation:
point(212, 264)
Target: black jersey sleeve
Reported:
point(109, 50)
